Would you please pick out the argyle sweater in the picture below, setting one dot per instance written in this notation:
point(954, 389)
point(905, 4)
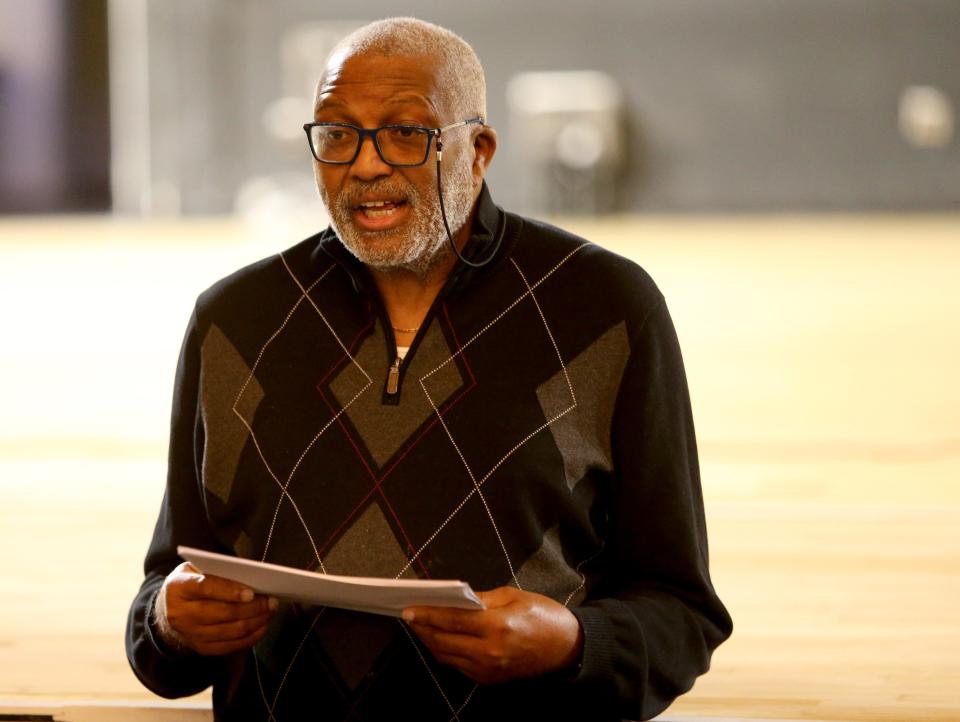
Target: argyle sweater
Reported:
point(539, 435)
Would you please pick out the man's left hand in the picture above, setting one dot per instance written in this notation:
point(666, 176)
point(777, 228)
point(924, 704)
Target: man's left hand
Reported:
point(519, 634)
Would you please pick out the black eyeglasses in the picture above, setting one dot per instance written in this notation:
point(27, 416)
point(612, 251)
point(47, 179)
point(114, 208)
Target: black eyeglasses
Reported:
point(403, 146)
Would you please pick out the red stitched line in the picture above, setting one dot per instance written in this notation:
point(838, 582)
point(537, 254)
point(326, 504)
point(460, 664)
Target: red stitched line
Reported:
point(378, 482)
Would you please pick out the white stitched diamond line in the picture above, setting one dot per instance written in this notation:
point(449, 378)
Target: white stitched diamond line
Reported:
point(303, 295)
point(256, 443)
point(263, 693)
point(324, 319)
point(437, 531)
point(466, 701)
point(294, 658)
point(476, 488)
point(481, 482)
point(283, 493)
point(583, 579)
point(529, 436)
point(524, 440)
point(543, 318)
point(429, 671)
point(326, 426)
point(505, 311)
point(276, 511)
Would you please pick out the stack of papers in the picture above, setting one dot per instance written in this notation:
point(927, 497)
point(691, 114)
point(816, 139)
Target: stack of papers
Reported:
point(362, 594)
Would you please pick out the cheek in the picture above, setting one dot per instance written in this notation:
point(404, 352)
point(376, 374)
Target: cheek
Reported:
point(329, 178)
point(427, 185)
point(317, 178)
point(418, 184)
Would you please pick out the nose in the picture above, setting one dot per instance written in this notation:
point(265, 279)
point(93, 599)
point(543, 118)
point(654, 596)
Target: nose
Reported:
point(368, 164)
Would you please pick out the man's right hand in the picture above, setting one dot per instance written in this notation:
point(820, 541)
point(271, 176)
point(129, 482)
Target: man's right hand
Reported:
point(210, 615)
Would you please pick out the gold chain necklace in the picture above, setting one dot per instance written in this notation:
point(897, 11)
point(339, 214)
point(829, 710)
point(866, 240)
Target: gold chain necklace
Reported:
point(406, 330)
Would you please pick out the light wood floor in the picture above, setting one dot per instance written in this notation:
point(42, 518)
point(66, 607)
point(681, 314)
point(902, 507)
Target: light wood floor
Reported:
point(822, 355)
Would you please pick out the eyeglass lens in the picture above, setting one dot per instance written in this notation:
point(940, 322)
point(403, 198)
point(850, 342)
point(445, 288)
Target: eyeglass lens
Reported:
point(399, 145)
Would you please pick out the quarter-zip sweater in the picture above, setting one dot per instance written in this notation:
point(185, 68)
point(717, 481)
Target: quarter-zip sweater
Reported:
point(538, 434)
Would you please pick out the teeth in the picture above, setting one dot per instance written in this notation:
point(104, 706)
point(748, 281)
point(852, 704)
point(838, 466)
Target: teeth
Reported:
point(378, 209)
point(370, 213)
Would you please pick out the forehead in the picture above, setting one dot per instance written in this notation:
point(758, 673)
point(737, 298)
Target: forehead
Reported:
point(360, 80)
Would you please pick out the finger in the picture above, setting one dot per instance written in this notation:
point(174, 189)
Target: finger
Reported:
point(205, 611)
point(209, 586)
point(467, 666)
point(470, 668)
point(470, 660)
point(444, 655)
point(457, 621)
point(228, 631)
point(500, 597)
point(460, 645)
point(202, 619)
point(229, 647)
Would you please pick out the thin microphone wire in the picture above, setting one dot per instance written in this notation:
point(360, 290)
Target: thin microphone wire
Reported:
point(446, 225)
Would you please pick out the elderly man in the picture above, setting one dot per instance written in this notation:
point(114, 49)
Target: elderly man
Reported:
point(431, 388)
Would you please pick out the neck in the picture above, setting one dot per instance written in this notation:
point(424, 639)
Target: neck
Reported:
point(408, 295)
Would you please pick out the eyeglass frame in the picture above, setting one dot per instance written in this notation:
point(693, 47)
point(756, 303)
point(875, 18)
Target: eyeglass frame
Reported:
point(371, 133)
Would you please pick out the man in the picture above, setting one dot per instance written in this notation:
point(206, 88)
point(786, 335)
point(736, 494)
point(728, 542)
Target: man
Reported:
point(369, 403)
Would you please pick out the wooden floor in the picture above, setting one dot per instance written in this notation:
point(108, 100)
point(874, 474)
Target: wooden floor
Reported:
point(822, 354)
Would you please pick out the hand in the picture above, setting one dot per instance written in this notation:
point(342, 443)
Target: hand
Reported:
point(519, 634)
point(208, 614)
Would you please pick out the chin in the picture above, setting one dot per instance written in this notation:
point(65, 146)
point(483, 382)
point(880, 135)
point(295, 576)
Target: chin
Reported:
point(392, 251)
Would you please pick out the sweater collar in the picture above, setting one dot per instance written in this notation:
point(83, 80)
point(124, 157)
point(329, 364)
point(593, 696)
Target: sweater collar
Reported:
point(483, 235)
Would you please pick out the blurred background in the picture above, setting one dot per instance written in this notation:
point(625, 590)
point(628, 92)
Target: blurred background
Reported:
point(787, 170)
point(194, 108)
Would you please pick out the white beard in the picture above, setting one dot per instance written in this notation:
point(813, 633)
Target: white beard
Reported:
point(418, 250)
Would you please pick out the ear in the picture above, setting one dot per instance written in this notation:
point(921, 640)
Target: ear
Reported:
point(484, 146)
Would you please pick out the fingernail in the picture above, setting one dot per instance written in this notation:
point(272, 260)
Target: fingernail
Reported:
point(246, 595)
point(407, 615)
point(273, 603)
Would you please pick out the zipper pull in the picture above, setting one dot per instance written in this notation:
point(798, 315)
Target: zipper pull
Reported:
point(393, 377)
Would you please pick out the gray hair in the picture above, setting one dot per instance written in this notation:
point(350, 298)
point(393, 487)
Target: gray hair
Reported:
point(460, 74)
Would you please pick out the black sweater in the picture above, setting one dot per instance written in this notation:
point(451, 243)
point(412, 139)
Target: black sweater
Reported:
point(540, 436)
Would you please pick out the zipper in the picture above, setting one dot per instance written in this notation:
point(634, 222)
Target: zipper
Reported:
point(393, 377)
point(391, 394)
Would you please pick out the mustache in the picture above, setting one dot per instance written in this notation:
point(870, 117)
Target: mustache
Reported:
point(350, 196)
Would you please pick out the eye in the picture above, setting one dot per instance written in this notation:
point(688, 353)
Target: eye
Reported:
point(335, 134)
point(405, 134)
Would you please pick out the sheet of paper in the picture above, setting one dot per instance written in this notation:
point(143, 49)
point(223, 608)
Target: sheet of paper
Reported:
point(362, 594)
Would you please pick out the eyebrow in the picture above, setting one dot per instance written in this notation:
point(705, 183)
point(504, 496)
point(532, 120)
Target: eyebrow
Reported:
point(408, 97)
point(327, 103)
point(401, 99)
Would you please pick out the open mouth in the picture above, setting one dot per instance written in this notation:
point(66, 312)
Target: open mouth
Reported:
point(381, 214)
point(380, 209)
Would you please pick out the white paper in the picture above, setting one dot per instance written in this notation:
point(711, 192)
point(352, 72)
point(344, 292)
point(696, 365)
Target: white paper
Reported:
point(361, 594)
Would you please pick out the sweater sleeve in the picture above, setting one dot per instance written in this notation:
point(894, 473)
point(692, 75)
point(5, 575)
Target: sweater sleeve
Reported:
point(652, 619)
point(182, 520)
